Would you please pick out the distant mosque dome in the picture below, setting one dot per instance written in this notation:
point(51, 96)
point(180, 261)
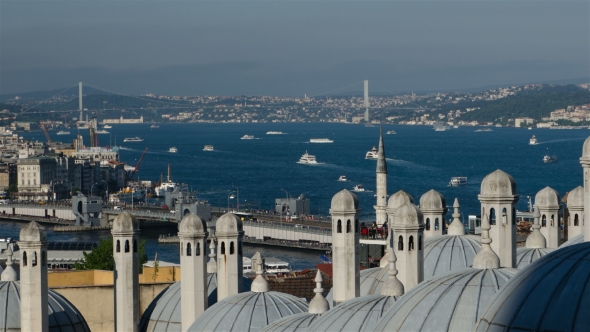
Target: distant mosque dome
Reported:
point(525, 256)
point(446, 253)
point(575, 198)
point(63, 316)
point(294, 323)
point(433, 200)
point(398, 199)
point(550, 294)
point(547, 197)
point(344, 201)
point(498, 184)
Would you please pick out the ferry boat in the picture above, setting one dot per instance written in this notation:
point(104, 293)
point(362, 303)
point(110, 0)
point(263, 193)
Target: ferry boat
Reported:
point(208, 148)
point(107, 127)
point(154, 126)
point(133, 139)
point(173, 150)
point(271, 265)
point(321, 140)
point(63, 132)
point(358, 188)
point(533, 140)
point(391, 132)
point(102, 132)
point(307, 159)
point(169, 185)
point(372, 154)
point(274, 132)
point(247, 137)
point(549, 159)
point(458, 181)
point(342, 178)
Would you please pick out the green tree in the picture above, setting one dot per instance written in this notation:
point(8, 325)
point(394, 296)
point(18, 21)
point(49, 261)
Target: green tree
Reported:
point(101, 258)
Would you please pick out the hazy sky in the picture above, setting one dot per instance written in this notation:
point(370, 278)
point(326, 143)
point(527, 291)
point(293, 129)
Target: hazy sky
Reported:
point(290, 47)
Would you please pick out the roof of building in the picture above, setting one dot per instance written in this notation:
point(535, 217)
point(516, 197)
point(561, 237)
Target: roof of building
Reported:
point(547, 198)
point(446, 253)
point(125, 222)
point(574, 240)
point(300, 285)
point(407, 215)
point(370, 280)
point(433, 200)
point(33, 232)
point(85, 246)
point(498, 184)
point(344, 200)
point(575, 198)
point(228, 223)
point(192, 225)
point(398, 199)
point(551, 294)
point(294, 323)
point(525, 256)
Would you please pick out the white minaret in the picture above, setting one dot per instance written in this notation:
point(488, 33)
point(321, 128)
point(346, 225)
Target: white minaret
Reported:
point(381, 207)
point(547, 202)
point(575, 207)
point(193, 269)
point(498, 199)
point(366, 101)
point(229, 233)
point(456, 227)
point(585, 161)
point(434, 207)
point(392, 286)
point(407, 224)
point(125, 233)
point(536, 240)
point(345, 246)
point(33, 284)
point(318, 305)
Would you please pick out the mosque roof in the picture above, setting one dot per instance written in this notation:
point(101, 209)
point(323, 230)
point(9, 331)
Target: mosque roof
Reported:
point(452, 302)
point(370, 280)
point(574, 240)
point(63, 316)
point(407, 215)
point(228, 223)
point(125, 222)
point(432, 200)
point(398, 199)
point(498, 184)
point(33, 232)
point(551, 294)
point(446, 253)
point(575, 198)
point(547, 197)
point(294, 323)
point(344, 200)
point(192, 225)
point(250, 311)
point(525, 256)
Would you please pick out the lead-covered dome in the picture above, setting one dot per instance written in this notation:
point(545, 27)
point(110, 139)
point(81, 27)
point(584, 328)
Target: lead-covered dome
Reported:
point(63, 316)
point(228, 223)
point(433, 201)
point(370, 280)
point(294, 323)
point(452, 302)
point(398, 199)
point(547, 198)
point(344, 200)
point(498, 184)
point(446, 253)
point(575, 198)
point(525, 256)
point(250, 311)
point(551, 294)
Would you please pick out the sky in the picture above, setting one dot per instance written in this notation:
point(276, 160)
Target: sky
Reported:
point(290, 48)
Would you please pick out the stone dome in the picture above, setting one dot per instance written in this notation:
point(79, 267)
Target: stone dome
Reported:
point(446, 253)
point(344, 201)
point(294, 323)
point(408, 215)
point(228, 223)
point(586, 149)
point(63, 316)
point(525, 256)
point(370, 280)
point(357, 314)
point(250, 311)
point(163, 313)
point(547, 198)
point(575, 199)
point(192, 224)
point(125, 223)
point(574, 240)
point(33, 232)
point(433, 201)
point(551, 294)
point(498, 184)
point(398, 199)
point(452, 302)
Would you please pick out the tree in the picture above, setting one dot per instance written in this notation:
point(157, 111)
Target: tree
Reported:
point(101, 258)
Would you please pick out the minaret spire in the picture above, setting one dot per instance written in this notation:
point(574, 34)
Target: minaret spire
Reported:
point(536, 239)
point(392, 286)
point(381, 206)
point(319, 304)
point(486, 258)
point(259, 285)
point(456, 227)
point(9, 273)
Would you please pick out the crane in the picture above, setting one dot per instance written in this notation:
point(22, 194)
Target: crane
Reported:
point(42, 125)
point(137, 166)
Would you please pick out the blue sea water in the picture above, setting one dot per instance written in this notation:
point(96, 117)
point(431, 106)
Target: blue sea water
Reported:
point(418, 159)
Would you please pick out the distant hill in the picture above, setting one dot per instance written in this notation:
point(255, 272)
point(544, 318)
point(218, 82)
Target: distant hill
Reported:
point(43, 95)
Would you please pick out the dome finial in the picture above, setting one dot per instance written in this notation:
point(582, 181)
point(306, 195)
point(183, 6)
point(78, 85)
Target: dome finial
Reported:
point(486, 258)
point(212, 264)
point(318, 305)
point(259, 285)
point(536, 239)
point(456, 227)
point(9, 273)
point(392, 286)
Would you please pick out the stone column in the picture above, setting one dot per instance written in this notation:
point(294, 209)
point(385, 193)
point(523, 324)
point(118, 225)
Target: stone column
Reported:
point(229, 232)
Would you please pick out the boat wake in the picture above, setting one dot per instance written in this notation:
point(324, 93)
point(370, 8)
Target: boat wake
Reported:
point(561, 140)
point(409, 164)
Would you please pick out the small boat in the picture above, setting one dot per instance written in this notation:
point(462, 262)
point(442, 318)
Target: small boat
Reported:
point(372, 154)
point(208, 148)
point(107, 127)
point(154, 126)
point(247, 137)
point(391, 132)
point(275, 265)
point(549, 159)
point(63, 132)
point(368, 125)
point(133, 139)
point(458, 181)
point(533, 140)
point(342, 178)
point(439, 126)
point(173, 150)
point(321, 140)
point(307, 159)
point(358, 188)
point(485, 130)
point(102, 132)
point(274, 132)
point(456, 126)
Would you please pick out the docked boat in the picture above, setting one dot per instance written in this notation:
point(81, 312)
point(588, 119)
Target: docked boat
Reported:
point(154, 126)
point(372, 154)
point(63, 132)
point(321, 140)
point(173, 150)
point(107, 127)
point(533, 140)
point(274, 132)
point(169, 185)
point(133, 139)
point(342, 178)
point(307, 159)
point(275, 265)
point(247, 137)
point(358, 188)
point(102, 131)
point(458, 181)
point(128, 195)
point(391, 132)
point(208, 148)
point(549, 159)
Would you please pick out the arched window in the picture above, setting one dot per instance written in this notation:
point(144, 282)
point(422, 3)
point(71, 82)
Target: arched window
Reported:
point(492, 216)
point(232, 248)
point(504, 217)
point(198, 249)
point(400, 243)
point(339, 226)
point(348, 226)
point(188, 249)
point(126, 245)
point(181, 248)
point(543, 221)
point(436, 225)
point(420, 242)
point(411, 243)
point(134, 245)
point(223, 248)
point(552, 220)
point(427, 227)
point(24, 258)
point(118, 246)
point(34, 260)
point(576, 220)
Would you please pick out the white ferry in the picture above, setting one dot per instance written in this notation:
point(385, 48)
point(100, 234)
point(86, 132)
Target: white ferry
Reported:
point(391, 132)
point(63, 132)
point(342, 178)
point(247, 137)
point(133, 139)
point(271, 265)
point(173, 150)
point(274, 132)
point(321, 140)
point(358, 188)
point(549, 159)
point(307, 159)
point(485, 130)
point(372, 154)
point(107, 127)
point(208, 148)
point(533, 140)
point(102, 132)
point(169, 185)
point(458, 181)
